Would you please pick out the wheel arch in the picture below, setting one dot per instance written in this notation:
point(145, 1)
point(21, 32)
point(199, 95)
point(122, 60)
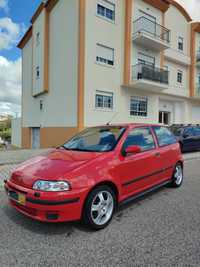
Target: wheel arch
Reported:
point(109, 183)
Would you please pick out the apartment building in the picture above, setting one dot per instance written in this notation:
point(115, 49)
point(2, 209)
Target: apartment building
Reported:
point(88, 62)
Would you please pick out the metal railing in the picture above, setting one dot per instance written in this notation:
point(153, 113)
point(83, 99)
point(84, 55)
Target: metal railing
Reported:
point(151, 73)
point(151, 28)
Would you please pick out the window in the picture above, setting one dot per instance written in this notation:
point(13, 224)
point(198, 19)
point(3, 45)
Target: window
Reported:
point(188, 132)
point(104, 100)
point(164, 136)
point(138, 106)
point(37, 39)
point(179, 76)
point(97, 139)
point(105, 55)
point(146, 59)
point(180, 43)
point(140, 137)
point(197, 131)
point(41, 104)
point(106, 9)
point(37, 72)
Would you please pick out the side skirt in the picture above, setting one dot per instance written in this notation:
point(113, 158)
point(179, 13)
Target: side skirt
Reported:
point(142, 194)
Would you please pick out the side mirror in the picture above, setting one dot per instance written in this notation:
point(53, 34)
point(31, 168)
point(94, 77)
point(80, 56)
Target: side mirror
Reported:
point(133, 150)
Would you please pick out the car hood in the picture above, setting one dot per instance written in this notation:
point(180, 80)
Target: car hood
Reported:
point(52, 166)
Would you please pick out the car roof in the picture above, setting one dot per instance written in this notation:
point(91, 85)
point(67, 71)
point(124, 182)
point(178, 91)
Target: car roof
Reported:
point(130, 125)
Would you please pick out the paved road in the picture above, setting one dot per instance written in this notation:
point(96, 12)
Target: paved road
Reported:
point(163, 229)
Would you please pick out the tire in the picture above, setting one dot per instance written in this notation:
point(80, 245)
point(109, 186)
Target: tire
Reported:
point(99, 207)
point(177, 178)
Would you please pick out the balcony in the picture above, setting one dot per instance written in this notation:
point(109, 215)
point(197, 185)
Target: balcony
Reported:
point(150, 34)
point(150, 78)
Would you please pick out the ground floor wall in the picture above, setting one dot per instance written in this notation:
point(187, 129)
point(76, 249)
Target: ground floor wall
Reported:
point(48, 136)
point(161, 108)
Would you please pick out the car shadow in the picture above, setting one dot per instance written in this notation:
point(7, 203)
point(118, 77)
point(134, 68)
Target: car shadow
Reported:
point(42, 228)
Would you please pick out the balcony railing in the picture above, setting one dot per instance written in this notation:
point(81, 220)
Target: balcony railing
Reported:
point(151, 73)
point(151, 28)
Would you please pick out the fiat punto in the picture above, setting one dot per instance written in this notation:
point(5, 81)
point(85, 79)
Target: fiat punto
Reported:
point(96, 171)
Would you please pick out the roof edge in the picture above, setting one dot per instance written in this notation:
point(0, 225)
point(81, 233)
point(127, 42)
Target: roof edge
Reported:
point(25, 38)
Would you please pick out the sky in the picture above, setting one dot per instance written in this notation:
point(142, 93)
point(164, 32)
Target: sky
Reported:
point(15, 18)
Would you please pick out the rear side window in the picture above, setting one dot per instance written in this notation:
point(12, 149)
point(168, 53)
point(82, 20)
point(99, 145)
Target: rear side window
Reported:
point(140, 137)
point(197, 131)
point(164, 136)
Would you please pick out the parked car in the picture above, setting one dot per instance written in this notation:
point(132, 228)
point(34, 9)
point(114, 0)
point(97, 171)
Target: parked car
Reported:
point(188, 136)
point(96, 171)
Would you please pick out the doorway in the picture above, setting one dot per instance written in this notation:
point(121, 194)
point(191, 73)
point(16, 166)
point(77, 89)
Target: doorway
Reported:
point(35, 137)
point(164, 117)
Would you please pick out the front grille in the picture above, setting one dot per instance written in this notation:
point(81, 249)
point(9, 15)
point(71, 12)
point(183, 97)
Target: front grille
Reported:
point(13, 195)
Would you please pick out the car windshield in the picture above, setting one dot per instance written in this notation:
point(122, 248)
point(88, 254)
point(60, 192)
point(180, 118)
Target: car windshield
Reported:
point(176, 131)
point(97, 139)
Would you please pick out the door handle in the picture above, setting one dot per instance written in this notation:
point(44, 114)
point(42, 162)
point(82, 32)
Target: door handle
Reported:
point(157, 154)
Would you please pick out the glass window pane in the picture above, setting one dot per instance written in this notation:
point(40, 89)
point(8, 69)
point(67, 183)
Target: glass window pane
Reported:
point(141, 137)
point(164, 136)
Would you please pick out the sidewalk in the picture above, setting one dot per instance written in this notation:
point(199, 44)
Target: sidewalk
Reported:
point(18, 156)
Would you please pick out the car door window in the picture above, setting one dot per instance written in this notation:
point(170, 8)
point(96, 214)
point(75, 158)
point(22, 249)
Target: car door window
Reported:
point(164, 136)
point(197, 131)
point(188, 132)
point(140, 137)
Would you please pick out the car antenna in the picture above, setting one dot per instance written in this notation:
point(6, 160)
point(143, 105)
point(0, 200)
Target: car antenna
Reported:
point(109, 122)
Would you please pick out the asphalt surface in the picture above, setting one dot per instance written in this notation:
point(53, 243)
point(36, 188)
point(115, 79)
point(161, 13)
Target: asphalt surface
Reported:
point(163, 229)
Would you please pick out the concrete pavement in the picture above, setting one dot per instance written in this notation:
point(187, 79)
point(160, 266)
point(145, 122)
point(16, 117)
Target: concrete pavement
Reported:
point(160, 230)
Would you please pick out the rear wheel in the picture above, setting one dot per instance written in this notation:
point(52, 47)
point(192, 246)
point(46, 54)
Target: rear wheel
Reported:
point(177, 178)
point(99, 207)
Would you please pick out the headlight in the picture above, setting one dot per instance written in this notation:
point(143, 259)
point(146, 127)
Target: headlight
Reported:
point(49, 186)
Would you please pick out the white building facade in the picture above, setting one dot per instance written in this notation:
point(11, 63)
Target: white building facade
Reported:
point(89, 62)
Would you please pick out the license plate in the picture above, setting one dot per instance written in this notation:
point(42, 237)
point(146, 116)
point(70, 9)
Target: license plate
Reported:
point(21, 199)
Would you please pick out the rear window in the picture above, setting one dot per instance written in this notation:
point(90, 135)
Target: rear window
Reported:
point(197, 131)
point(164, 136)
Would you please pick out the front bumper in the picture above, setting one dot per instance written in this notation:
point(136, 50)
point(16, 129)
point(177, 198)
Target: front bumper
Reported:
point(46, 206)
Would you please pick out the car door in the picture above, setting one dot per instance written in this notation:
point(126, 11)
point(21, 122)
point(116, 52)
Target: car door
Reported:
point(169, 150)
point(197, 137)
point(138, 172)
point(188, 140)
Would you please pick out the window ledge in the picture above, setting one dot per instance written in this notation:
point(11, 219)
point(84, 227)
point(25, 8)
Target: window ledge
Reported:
point(105, 19)
point(104, 110)
point(104, 65)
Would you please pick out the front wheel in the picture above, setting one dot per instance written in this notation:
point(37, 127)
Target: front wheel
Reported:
point(99, 207)
point(177, 178)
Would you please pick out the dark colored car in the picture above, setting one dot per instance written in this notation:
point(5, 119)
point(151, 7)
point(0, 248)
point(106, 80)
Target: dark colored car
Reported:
point(188, 137)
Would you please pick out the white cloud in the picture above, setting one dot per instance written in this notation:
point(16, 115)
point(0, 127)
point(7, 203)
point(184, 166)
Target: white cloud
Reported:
point(10, 86)
point(4, 5)
point(9, 33)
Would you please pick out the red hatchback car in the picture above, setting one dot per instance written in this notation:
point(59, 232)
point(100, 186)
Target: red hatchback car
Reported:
point(96, 171)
